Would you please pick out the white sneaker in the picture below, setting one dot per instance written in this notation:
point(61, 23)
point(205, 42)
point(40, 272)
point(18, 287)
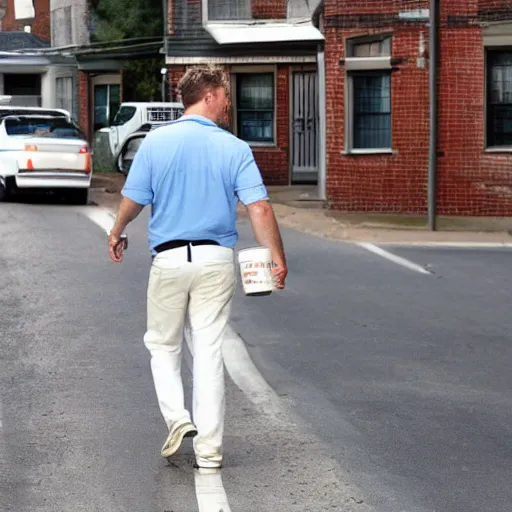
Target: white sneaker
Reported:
point(175, 437)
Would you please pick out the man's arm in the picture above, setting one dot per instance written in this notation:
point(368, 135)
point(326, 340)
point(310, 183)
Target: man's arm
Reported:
point(137, 192)
point(128, 211)
point(266, 232)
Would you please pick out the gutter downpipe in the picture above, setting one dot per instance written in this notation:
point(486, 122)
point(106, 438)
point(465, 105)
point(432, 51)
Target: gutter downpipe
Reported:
point(322, 164)
point(432, 159)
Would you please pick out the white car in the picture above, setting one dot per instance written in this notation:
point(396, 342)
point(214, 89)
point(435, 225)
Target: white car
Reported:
point(40, 151)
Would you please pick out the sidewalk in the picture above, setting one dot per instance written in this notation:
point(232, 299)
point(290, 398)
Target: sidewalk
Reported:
point(296, 208)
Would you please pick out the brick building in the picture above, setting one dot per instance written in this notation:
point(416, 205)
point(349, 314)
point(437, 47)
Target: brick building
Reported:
point(22, 13)
point(269, 50)
point(377, 104)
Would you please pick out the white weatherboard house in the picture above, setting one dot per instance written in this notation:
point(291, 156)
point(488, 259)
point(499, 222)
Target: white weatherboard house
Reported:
point(34, 72)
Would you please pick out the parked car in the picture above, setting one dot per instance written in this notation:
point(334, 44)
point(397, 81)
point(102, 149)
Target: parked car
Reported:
point(41, 151)
point(135, 116)
point(126, 153)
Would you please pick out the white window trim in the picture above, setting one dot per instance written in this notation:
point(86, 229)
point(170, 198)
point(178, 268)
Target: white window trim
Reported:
point(352, 66)
point(239, 70)
point(70, 99)
point(498, 149)
point(367, 63)
point(497, 37)
point(349, 120)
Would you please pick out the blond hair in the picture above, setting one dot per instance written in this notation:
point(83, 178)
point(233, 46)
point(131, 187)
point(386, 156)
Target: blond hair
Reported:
point(197, 81)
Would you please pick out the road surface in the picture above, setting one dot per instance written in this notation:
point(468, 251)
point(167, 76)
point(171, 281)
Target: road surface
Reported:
point(390, 389)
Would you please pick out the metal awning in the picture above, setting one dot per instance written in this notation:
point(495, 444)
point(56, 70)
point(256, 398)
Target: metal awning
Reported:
point(248, 33)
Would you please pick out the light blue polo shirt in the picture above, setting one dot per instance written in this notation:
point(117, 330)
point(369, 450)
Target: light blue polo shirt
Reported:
point(193, 173)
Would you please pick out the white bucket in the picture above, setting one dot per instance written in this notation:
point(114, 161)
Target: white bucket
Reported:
point(256, 270)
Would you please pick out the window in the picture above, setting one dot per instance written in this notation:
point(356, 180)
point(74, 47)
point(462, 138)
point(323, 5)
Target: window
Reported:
point(107, 99)
point(372, 111)
point(24, 88)
point(24, 9)
point(368, 122)
point(57, 127)
point(255, 107)
point(223, 10)
point(124, 115)
point(64, 93)
point(499, 98)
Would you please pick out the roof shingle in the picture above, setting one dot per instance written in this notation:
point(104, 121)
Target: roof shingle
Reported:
point(10, 41)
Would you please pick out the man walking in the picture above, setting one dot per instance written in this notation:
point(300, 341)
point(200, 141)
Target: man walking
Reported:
point(193, 173)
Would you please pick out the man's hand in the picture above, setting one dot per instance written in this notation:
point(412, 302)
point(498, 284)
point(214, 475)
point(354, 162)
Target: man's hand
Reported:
point(117, 243)
point(116, 246)
point(280, 272)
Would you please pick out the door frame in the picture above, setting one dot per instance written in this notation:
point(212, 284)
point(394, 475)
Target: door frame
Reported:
point(294, 69)
point(102, 79)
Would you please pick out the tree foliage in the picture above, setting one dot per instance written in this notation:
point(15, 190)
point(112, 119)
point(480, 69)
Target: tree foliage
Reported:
point(126, 19)
point(115, 20)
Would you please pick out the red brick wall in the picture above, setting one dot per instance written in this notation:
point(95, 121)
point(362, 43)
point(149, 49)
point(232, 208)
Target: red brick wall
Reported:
point(272, 161)
point(390, 183)
point(175, 75)
point(269, 9)
point(84, 101)
point(40, 25)
point(470, 181)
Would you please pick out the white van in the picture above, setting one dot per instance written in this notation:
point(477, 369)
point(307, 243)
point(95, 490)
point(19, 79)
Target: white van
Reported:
point(137, 116)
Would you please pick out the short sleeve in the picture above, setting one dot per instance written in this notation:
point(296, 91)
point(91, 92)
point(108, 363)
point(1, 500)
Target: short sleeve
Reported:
point(138, 183)
point(249, 185)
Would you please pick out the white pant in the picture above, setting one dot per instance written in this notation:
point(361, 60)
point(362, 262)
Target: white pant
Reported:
point(202, 290)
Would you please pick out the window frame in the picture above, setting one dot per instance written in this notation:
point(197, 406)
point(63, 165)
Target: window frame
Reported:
point(487, 103)
point(237, 18)
point(59, 99)
point(365, 66)
point(254, 70)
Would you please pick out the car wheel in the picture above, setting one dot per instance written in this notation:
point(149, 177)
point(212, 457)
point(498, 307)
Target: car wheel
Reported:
point(5, 191)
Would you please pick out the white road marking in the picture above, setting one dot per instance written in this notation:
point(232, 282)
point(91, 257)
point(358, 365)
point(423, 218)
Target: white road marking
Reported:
point(247, 377)
point(211, 496)
point(468, 245)
point(102, 217)
point(393, 257)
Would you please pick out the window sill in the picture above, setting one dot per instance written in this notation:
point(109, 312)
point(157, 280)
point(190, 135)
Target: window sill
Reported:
point(262, 145)
point(363, 152)
point(498, 149)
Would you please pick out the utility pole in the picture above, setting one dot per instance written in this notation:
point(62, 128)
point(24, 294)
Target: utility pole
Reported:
point(432, 159)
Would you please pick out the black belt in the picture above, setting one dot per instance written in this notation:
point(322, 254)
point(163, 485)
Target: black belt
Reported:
point(174, 244)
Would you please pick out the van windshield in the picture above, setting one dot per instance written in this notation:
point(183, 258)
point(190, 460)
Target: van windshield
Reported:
point(124, 115)
point(54, 127)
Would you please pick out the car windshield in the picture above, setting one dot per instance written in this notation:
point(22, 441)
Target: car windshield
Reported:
point(43, 127)
point(124, 115)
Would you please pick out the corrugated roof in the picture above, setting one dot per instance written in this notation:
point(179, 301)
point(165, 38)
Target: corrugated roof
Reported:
point(10, 41)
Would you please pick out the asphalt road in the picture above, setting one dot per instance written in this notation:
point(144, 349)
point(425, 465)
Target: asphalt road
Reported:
point(395, 386)
point(80, 428)
point(407, 377)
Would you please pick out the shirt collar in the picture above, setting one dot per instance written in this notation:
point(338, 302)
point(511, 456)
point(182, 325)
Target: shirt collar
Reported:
point(198, 119)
